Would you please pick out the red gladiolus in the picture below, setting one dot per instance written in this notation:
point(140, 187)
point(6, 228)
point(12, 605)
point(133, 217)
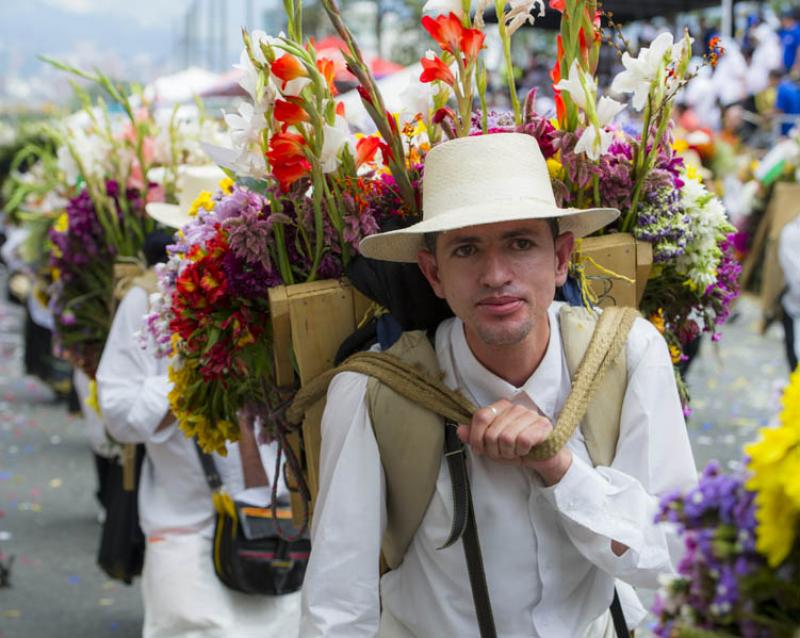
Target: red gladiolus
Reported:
point(561, 108)
point(366, 148)
point(446, 30)
point(288, 68)
point(340, 109)
point(435, 69)
point(287, 158)
point(289, 112)
point(558, 5)
point(472, 43)
point(364, 94)
point(390, 119)
point(287, 173)
point(326, 67)
point(584, 48)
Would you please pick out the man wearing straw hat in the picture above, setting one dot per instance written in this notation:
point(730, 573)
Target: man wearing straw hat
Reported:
point(556, 535)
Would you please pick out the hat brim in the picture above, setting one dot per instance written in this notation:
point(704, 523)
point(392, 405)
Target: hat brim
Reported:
point(169, 215)
point(404, 244)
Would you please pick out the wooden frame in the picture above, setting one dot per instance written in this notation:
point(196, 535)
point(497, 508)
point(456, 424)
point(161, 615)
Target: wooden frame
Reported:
point(621, 254)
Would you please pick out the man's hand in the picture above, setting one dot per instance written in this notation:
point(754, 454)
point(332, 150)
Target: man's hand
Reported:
point(506, 433)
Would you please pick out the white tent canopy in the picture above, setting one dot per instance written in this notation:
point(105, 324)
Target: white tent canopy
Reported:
point(181, 86)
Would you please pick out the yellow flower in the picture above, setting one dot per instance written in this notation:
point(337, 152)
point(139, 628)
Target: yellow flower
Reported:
point(657, 319)
point(692, 173)
point(55, 274)
point(556, 169)
point(775, 478)
point(61, 224)
point(226, 185)
point(204, 201)
point(680, 145)
point(675, 353)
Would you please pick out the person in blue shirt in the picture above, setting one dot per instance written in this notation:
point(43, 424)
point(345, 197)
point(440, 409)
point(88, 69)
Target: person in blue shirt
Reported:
point(787, 100)
point(790, 38)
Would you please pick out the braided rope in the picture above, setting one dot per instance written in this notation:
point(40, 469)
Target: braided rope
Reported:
point(607, 342)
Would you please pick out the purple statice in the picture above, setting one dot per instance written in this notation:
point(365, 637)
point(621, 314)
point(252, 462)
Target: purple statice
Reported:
point(713, 589)
point(246, 218)
point(662, 221)
point(725, 290)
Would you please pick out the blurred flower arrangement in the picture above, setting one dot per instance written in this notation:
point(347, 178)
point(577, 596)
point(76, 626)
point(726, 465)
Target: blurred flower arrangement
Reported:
point(740, 575)
point(108, 165)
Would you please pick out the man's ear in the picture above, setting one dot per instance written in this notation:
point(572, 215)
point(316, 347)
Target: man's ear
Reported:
point(564, 244)
point(427, 264)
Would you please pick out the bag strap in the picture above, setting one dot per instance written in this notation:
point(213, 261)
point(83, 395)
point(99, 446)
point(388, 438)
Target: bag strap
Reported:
point(209, 468)
point(464, 527)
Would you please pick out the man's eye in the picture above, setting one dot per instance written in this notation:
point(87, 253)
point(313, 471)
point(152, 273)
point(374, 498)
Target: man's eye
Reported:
point(467, 250)
point(521, 244)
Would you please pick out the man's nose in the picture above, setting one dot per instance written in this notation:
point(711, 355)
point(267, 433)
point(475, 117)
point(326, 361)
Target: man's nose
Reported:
point(496, 270)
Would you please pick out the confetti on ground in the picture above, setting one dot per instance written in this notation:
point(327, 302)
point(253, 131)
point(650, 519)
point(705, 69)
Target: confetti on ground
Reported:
point(105, 602)
point(12, 613)
point(5, 475)
point(5, 535)
point(73, 580)
point(55, 483)
point(55, 439)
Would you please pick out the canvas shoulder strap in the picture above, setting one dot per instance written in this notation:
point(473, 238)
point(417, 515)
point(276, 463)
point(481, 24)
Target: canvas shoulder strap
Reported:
point(601, 422)
point(410, 440)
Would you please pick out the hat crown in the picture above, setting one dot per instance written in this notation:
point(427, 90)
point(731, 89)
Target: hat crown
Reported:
point(485, 169)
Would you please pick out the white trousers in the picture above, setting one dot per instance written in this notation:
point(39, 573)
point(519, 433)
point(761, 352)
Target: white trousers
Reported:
point(390, 627)
point(183, 598)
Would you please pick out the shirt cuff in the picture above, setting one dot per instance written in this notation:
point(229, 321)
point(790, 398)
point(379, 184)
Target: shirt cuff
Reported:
point(581, 488)
point(151, 407)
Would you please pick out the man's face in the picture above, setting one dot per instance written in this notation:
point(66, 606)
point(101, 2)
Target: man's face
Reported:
point(499, 279)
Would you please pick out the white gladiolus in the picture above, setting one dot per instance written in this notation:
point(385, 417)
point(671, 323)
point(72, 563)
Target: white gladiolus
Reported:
point(520, 12)
point(336, 138)
point(438, 7)
point(640, 72)
point(578, 83)
point(595, 140)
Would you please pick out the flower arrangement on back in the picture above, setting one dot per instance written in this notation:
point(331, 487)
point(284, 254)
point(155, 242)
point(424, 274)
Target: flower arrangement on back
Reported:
point(303, 193)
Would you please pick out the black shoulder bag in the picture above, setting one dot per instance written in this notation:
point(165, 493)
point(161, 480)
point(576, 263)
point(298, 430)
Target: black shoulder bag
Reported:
point(254, 551)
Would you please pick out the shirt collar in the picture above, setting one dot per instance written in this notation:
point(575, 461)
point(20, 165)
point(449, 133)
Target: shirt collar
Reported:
point(542, 387)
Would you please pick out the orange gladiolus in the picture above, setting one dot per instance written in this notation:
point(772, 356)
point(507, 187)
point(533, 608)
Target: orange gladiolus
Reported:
point(435, 69)
point(447, 30)
point(287, 173)
point(328, 70)
point(289, 112)
point(366, 148)
point(288, 68)
point(561, 108)
point(558, 5)
point(340, 109)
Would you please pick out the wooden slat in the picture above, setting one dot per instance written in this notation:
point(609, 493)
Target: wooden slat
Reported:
point(281, 336)
point(617, 253)
point(644, 264)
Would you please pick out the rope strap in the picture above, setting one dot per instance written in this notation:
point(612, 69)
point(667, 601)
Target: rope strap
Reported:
point(608, 340)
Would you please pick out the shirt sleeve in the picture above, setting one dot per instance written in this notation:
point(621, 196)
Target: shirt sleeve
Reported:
point(789, 255)
point(341, 586)
point(131, 391)
point(653, 457)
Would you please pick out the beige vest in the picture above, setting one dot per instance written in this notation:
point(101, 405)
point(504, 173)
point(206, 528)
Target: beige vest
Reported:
point(411, 438)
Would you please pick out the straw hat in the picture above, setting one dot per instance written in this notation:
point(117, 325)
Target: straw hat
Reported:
point(483, 179)
point(192, 180)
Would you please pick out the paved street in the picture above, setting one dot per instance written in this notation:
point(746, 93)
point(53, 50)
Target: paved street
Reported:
point(48, 515)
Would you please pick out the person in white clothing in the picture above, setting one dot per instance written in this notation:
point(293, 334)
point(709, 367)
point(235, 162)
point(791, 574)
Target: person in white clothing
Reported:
point(789, 257)
point(557, 535)
point(182, 595)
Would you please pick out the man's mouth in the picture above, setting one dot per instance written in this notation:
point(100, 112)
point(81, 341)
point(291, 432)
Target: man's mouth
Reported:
point(501, 305)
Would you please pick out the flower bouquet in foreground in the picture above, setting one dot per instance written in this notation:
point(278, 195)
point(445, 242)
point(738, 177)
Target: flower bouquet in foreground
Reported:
point(740, 575)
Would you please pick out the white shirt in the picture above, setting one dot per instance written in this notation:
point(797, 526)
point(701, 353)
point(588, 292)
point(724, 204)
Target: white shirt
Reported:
point(547, 551)
point(133, 387)
point(789, 256)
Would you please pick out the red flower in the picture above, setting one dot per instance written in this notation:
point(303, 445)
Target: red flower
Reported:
point(447, 30)
point(289, 112)
point(287, 158)
point(435, 69)
point(558, 5)
point(328, 70)
point(366, 148)
point(561, 108)
point(288, 68)
point(340, 109)
point(472, 43)
point(365, 96)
